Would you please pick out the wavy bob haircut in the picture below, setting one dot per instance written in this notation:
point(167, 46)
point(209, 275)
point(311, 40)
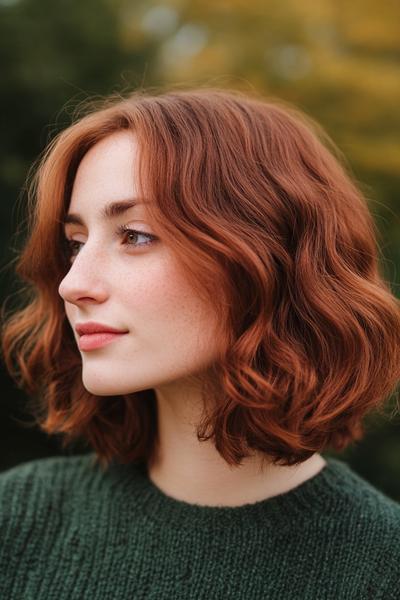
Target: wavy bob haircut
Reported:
point(270, 226)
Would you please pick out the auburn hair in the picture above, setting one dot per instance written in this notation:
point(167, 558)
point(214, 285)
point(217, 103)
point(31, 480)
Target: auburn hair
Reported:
point(272, 228)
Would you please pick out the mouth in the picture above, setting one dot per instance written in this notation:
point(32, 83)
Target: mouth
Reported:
point(92, 341)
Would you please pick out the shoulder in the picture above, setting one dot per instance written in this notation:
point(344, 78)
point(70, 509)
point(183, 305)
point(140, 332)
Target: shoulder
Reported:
point(45, 468)
point(364, 500)
point(368, 523)
point(42, 505)
point(30, 485)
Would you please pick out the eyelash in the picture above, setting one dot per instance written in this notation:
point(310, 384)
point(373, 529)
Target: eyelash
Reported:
point(121, 231)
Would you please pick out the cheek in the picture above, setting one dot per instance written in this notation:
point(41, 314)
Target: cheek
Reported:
point(168, 315)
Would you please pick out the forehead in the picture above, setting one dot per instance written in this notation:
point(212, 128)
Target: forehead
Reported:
point(106, 173)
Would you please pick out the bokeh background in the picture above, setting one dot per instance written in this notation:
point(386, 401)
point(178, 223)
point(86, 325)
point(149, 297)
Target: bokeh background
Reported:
point(336, 60)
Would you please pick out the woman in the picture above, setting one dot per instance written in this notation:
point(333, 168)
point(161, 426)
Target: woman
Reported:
point(206, 311)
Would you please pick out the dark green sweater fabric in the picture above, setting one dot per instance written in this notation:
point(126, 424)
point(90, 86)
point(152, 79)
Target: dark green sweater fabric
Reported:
point(71, 531)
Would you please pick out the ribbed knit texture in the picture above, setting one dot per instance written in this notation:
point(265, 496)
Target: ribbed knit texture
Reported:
point(70, 531)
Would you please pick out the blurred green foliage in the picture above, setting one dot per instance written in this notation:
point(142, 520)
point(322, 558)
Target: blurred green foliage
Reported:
point(336, 60)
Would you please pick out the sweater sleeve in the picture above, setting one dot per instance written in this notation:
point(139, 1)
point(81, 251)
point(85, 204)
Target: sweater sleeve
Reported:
point(18, 494)
point(389, 556)
point(391, 588)
point(392, 591)
point(24, 504)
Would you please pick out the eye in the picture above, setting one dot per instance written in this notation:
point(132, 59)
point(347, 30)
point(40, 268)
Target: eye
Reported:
point(72, 247)
point(129, 233)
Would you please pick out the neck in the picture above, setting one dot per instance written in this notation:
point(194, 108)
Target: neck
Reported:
point(194, 471)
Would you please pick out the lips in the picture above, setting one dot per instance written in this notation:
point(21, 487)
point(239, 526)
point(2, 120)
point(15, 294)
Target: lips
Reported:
point(94, 335)
point(97, 340)
point(92, 327)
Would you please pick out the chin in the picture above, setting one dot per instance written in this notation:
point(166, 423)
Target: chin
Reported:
point(113, 387)
point(101, 388)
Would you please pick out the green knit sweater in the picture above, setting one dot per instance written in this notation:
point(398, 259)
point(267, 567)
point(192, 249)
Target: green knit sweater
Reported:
point(71, 531)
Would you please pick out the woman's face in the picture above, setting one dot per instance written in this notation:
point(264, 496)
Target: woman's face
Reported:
point(128, 282)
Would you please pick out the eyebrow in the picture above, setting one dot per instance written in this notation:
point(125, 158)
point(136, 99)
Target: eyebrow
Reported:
point(110, 211)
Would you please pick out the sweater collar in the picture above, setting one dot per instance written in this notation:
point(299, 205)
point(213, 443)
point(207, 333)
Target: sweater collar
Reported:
point(319, 493)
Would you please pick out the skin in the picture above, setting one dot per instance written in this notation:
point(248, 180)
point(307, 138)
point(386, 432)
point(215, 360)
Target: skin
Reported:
point(119, 281)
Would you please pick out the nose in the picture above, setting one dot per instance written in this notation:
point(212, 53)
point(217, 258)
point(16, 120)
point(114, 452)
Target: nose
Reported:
point(85, 281)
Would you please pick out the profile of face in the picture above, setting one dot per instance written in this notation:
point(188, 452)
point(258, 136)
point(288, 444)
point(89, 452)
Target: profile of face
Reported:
point(130, 281)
